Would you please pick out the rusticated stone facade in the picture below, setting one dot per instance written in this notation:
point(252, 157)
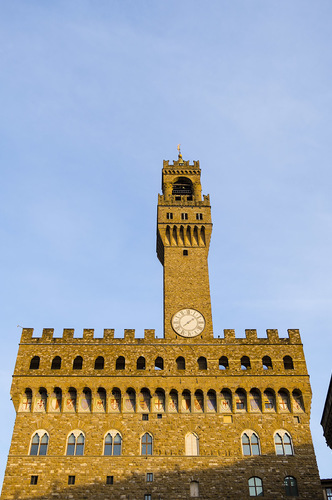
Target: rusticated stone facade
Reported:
point(179, 417)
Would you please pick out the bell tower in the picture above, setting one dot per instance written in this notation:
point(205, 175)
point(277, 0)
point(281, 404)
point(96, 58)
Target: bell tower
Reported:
point(183, 237)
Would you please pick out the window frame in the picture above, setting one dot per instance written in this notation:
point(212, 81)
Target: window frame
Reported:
point(40, 433)
point(282, 433)
point(76, 433)
point(258, 483)
point(113, 433)
point(146, 444)
point(251, 445)
point(291, 490)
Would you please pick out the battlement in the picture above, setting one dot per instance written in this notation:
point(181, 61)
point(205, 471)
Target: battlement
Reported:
point(182, 164)
point(171, 200)
point(150, 337)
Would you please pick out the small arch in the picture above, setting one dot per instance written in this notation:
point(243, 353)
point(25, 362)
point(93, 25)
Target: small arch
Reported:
point(192, 444)
point(120, 363)
point(211, 401)
point(173, 401)
point(288, 363)
point(181, 235)
point(298, 404)
point(226, 401)
point(140, 365)
point(199, 401)
point(241, 400)
point(146, 444)
point(245, 363)
point(100, 400)
point(75, 443)
point(255, 400)
point(175, 236)
point(56, 400)
point(85, 400)
point(186, 401)
point(180, 363)
point(39, 443)
point(255, 485)
point(130, 400)
point(269, 400)
point(144, 399)
point(115, 400)
point(34, 363)
point(202, 236)
point(26, 401)
point(188, 236)
point(194, 489)
point(78, 363)
point(223, 363)
point(70, 400)
point(159, 401)
point(195, 235)
point(283, 397)
point(112, 443)
point(56, 363)
point(290, 485)
point(159, 363)
point(99, 363)
point(168, 235)
point(283, 443)
point(267, 363)
point(202, 363)
point(250, 443)
point(41, 400)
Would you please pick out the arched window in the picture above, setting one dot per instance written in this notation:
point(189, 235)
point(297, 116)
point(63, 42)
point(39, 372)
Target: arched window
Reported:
point(199, 401)
point(146, 444)
point(250, 444)
point(34, 363)
point(56, 363)
point(283, 398)
point(288, 363)
point(202, 363)
point(267, 363)
point(255, 400)
point(113, 443)
point(211, 401)
point(159, 363)
point(192, 444)
point(298, 401)
point(269, 400)
point(120, 363)
point(194, 489)
point(75, 443)
point(245, 363)
point(140, 363)
point(223, 363)
point(78, 363)
point(182, 186)
point(255, 487)
point(290, 484)
point(159, 401)
point(226, 401)
point(39, 443)
point(99, 363)
point(180, 363)
point(283, 443)
point(240, 400)
point(144, 400)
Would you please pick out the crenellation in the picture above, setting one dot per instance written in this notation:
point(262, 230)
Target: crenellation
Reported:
point(47, 335)
point(229, 336)
point(149, 335)
point(68, 334)
point(251, 335)
point(88, 334)
point(108, 335)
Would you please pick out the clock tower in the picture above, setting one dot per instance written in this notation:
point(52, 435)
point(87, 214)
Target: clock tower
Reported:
point(183, 236)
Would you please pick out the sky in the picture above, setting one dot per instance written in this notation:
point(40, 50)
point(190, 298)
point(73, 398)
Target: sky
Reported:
point(93, 96)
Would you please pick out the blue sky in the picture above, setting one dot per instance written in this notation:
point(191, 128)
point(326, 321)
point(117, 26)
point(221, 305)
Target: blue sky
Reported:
point(94, 95)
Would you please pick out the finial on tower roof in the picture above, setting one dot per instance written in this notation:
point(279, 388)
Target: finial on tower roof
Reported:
point(179, 155)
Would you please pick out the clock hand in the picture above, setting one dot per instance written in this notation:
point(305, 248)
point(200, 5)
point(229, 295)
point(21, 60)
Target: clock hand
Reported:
point(188, 322)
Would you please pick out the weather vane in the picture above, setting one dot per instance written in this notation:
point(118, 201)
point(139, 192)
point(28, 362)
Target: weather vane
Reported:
point(179, 151)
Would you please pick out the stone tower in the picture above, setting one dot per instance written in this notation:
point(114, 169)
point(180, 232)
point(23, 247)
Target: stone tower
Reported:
point(179, 417)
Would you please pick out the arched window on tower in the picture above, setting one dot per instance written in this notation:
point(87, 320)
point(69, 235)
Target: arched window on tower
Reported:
point(78, 363)
point(245, 363)
point(56, 363)
point(202, 363)
point(113, 443)
point(183, 186)
point(140, 363)
point(223, 363)
point(267, 363)
point(120, 363)
point(34, 363)
point(99, 363)
point(159, 363)
point(288, 363)
point(180, 363)
point(290, 485)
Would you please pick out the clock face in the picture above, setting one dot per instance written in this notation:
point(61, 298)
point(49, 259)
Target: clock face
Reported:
point(188, 322)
